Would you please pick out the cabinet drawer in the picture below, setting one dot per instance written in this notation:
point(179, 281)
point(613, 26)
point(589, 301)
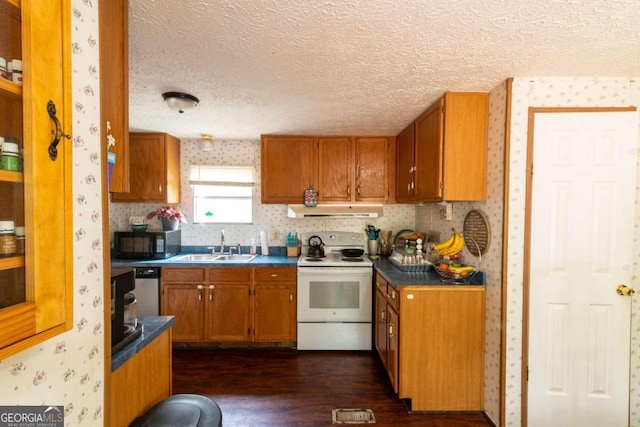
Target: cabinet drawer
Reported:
point(381, 283)
point(276, 274)
point(229, 275)
point(393, 296)
point(183, 274)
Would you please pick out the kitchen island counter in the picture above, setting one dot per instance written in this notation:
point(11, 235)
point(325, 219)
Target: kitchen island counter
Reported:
point(397, 277)
point(153, 327)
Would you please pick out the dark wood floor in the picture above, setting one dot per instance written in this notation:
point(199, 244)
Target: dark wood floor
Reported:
point(256, 388)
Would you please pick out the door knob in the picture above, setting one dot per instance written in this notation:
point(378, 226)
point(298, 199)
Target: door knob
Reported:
point(625, 291)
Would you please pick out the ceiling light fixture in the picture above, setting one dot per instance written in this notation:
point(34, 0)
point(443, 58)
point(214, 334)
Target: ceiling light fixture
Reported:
point(206, 142)
point(179, 101)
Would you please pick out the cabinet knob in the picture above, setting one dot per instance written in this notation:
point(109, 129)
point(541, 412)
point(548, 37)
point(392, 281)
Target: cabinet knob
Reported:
point(274, 275)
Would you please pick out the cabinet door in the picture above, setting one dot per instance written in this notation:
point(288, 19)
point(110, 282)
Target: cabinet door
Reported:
point(228, 312)
point(274, 312)
point(154, 169)
point(404, 164)
point(393, 323)
point(381, 331)
point(187, 303)
point(372, 169)
point(335, 169)
point(114, 87)
point(288, 168)
point(36, 288)
point(428, 154)
point(465, 146)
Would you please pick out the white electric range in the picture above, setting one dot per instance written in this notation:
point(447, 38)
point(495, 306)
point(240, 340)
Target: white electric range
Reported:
point(334, 294)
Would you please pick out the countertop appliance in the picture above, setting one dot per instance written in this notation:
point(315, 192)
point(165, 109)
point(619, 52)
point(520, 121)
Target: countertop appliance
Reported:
point(335, 294)
point(148, 291)
point(147, 244)
point(122, 283)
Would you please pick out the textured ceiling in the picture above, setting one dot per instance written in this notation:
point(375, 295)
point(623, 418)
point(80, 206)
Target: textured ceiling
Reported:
point(355, 66)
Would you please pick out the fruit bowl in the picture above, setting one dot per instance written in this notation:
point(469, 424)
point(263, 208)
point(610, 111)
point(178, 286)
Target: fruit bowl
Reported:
point(453, 272)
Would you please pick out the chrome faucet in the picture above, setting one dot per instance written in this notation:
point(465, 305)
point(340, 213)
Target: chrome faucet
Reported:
point(222, 241)
point(239, 249)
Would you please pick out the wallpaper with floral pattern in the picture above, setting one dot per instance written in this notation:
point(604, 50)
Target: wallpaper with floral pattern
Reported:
point(69, 368)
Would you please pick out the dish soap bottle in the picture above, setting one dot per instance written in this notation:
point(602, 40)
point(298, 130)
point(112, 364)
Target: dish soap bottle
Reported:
point(253, 250)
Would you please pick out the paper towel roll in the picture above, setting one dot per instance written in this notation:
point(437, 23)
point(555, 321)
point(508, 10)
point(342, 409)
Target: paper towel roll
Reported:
point(263, 243)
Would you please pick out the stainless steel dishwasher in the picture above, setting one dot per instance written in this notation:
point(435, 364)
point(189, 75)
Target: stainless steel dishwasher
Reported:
point(147, 291)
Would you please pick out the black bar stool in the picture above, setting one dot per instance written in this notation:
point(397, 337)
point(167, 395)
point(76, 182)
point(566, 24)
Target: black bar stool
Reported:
point(182, 410)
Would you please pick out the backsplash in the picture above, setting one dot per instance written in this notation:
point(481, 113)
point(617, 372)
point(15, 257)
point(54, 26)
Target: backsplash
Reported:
point(268, 217)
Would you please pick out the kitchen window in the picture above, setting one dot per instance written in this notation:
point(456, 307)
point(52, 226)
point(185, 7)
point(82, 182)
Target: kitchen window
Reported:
point(222, 194)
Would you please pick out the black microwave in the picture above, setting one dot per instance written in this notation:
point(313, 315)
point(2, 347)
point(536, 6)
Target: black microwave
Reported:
point(147, 244)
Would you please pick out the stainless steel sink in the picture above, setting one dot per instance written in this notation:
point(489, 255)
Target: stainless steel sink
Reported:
point(194, 258)
point(234, 258)
point(213, 258)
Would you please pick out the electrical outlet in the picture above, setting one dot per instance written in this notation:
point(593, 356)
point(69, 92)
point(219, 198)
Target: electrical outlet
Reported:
point(448, 212)
point(275, 235)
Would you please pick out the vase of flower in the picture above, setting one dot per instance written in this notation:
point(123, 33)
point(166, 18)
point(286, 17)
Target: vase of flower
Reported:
point(170, 216)
point(170, 224)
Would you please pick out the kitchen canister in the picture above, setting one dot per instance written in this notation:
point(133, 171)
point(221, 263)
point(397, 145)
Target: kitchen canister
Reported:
point(9, 157)
point(8, 244)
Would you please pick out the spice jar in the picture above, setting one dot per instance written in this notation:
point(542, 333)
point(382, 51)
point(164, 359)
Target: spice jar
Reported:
point(3, 68)
point(9, 158)
point(16, 71)
point(8, 245)
point(20, 241)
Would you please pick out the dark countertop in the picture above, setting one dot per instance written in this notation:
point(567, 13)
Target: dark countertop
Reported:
point(397, 277)
point(153, 327)
point(259, 261)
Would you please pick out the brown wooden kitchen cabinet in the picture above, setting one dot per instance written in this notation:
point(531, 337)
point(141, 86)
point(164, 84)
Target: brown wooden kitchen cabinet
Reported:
point(36, 288)
point(386, 328)
point(288, 168)
point(344, 169)
point(438, 331)
point(209, 304)
point(448, 158)
point(230, 304)
point(114, 87)
point(274, 304)
point(154, 169)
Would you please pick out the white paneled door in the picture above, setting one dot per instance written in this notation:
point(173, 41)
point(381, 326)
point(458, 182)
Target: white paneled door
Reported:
point(582, 214)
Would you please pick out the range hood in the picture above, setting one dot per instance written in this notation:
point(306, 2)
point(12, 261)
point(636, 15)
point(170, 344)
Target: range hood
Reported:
point(335, 211)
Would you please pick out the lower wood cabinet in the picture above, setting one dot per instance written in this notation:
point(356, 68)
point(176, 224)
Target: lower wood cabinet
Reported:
point(141, 381)
point(227, 305)
point(433, 344)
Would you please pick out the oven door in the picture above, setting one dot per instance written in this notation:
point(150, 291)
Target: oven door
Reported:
point(334, 294)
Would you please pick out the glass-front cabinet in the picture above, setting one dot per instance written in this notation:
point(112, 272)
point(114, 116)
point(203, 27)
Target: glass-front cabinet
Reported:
point(35, 173)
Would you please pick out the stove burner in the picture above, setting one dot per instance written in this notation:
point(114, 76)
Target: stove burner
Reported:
point(352, 259)
point(313, 259)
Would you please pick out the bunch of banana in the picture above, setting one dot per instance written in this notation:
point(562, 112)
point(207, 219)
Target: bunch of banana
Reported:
point(462, 269)
point(452, 245)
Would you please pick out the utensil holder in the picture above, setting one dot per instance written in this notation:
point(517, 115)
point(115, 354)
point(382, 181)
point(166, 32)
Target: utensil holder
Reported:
point(372, 245)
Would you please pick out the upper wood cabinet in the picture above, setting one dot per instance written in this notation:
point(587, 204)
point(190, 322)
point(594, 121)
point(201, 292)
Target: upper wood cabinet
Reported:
point(36, 297)
point(114, 87)
point(288, 168)
point(344, 169)
point(448, 158)
point(155, 169)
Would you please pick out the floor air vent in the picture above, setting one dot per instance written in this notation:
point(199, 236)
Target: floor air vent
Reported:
point(353, 416)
